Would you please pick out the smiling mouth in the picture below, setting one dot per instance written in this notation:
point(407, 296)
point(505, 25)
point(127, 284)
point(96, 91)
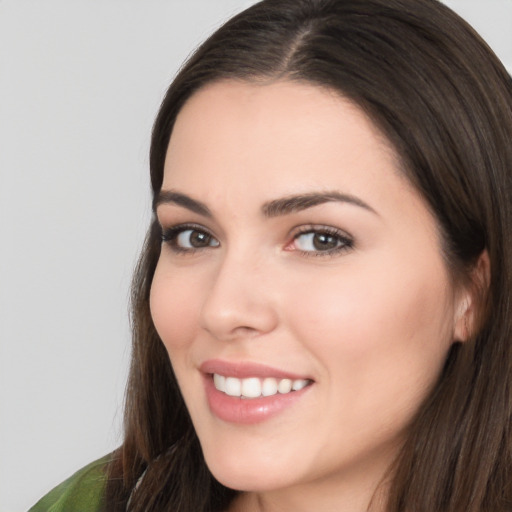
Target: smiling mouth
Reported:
point(255, 387)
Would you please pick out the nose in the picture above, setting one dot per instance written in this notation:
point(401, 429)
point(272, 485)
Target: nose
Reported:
point(240, 301)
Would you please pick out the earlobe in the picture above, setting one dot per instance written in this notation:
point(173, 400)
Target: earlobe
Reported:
point(472, 302)
point(462, 319)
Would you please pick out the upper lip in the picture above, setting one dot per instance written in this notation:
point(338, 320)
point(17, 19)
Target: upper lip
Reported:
point(246, 369)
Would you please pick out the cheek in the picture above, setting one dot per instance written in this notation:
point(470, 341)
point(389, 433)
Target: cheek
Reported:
point(170, 299)
point(376, 330)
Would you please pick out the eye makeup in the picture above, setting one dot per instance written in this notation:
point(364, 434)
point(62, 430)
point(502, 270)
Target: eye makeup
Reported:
point(188, 238)
point(317, 240)
point(308, 240)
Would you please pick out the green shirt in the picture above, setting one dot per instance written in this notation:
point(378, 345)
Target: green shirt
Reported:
point(82, 492)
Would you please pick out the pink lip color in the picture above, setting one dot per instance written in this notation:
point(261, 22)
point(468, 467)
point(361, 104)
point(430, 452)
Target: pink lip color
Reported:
point(244, 370)
point(247, 410)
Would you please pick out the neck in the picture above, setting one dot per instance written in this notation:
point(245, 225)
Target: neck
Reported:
point(357, 493)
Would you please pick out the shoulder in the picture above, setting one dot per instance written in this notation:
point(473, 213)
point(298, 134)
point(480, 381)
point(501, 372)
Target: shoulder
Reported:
point(82, 491)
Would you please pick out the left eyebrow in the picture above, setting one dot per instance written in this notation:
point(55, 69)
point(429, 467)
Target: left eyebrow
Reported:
point(172, 197)
point(296, 203)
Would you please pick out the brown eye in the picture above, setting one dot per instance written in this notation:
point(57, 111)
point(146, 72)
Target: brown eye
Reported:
point(324, 242)
point(186, 238)
point(194, 239)
point(321, 242)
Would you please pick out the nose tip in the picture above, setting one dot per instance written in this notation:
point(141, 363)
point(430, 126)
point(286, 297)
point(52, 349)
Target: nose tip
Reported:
point(237, 321)
point(238, 305)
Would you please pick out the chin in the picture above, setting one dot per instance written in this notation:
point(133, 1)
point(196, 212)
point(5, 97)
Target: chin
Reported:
point(242, 474)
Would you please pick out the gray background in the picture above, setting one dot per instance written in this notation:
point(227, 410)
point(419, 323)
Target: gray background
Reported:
point(80, 82)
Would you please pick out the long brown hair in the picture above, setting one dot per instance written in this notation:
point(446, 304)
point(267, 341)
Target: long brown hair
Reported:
point(444, 101)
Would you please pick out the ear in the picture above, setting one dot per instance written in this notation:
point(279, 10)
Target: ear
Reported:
point(472, 299)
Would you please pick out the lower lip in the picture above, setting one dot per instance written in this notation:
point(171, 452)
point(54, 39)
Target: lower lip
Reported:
point(248, 411)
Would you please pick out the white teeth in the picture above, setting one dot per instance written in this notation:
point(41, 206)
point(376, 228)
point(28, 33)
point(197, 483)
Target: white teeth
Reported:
point(285, 386)
point(251, 388)
point(219, 381)
point(233, 386)
point(269, 387)
point(299, 384)
point(254, 387)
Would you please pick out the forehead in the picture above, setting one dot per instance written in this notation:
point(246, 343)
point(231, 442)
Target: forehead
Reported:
point(282, 131)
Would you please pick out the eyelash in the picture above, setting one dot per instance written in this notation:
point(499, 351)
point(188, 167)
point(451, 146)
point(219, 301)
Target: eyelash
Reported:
point(170, 237)
point(344, 241)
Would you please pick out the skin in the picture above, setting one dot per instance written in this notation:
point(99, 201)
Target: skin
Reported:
point(370, 323)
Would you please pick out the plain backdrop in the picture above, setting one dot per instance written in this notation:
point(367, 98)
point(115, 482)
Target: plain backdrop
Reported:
point(80, 83)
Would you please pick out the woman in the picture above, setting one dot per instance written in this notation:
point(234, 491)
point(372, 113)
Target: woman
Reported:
point(322, 308)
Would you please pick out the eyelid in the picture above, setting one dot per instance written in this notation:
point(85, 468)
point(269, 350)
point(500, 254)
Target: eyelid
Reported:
point(182, 226)
point(170, 234)
point(342, 235)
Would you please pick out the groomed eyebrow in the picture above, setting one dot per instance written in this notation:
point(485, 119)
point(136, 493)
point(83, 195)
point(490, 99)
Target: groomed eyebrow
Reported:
point(275, 208)
point(172, 197)
point(296, 203)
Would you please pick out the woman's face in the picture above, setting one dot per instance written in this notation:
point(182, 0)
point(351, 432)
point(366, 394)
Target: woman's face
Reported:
point(295, 253)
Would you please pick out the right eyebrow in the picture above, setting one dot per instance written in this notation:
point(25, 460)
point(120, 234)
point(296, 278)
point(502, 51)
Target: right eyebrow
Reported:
point(290, 204)
point(172, 197)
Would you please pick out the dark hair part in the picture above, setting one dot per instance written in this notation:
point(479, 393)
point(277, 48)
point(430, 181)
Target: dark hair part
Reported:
point(444, 101)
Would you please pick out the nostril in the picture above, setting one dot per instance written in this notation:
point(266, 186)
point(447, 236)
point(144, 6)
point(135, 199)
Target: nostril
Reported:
point(229, 317)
